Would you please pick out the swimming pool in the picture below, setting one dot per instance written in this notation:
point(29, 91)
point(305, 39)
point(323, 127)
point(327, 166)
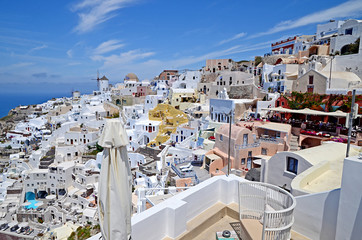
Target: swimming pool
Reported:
point(32, 204)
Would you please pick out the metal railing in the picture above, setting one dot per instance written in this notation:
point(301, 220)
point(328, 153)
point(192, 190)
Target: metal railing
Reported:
point(270, 205)
point(271, 140)
point(244, 146)
point(191, 174)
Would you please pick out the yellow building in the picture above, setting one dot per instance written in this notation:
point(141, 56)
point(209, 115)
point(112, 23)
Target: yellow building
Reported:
point(183, 98)
point(170, 117)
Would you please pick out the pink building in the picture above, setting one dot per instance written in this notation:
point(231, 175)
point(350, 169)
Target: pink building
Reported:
point(249, 141)
point(142, 91)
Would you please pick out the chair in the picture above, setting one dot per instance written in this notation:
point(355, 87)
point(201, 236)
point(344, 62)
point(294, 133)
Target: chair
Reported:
point(186, 166)
point(187, 169)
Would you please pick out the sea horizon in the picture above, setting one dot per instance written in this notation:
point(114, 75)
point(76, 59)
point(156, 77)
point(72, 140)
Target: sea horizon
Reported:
point(13, 95)
point(9, 101)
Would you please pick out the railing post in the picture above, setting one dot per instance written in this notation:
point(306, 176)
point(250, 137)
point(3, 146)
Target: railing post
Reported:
point(264, 218)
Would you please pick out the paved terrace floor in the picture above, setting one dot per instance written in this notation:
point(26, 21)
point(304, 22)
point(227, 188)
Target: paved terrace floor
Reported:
point(218, 218)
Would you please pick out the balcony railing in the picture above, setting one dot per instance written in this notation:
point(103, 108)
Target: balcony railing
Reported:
point(270, 139)
point(270, 206)
point(244, 146)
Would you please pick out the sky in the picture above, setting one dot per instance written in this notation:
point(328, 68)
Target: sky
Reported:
point(59, 45)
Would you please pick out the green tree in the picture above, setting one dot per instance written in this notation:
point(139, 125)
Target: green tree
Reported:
point(258, 60)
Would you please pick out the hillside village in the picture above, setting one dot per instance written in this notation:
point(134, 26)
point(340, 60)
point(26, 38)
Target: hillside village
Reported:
point(281, 119)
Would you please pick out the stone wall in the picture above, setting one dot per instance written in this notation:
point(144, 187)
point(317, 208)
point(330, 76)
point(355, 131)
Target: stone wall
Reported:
point(245, 92)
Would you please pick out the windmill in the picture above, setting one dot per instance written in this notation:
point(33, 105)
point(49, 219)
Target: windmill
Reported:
point(97, 79)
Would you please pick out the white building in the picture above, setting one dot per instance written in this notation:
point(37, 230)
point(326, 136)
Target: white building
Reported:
point(188, 79)
point(283, 167)
point(348, 32)
point(151, 101)
point(280, 78)
point(81, 136)
point(183, 132)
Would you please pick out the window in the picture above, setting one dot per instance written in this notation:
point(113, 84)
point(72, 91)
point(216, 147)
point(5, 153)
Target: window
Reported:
point(311, 79)
point(264, 151)
point(348, 31)
point(292, 165)
point(243, 161)
point(221, 137)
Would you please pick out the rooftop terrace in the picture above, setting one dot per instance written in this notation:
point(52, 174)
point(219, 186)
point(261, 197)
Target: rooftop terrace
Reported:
point(210, 207)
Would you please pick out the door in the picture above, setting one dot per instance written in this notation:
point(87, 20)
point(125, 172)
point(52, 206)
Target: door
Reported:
point(310, 89)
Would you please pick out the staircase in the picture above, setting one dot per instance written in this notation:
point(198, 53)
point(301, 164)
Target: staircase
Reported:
point(294, 144)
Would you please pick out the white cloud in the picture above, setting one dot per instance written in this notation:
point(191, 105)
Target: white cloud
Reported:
point(138, 62)
point(38, 48)
point(94, 12)
point(108, 46)
point(347, 9)
point(70, 53)
point(73, 63)
point(122, 58)
point(16, 66)
point(235, 37)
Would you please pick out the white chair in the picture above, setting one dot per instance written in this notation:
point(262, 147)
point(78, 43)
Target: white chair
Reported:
point(186, 166)
point(187, 169)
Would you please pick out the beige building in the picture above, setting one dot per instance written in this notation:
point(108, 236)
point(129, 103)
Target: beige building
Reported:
point(318, 82)
point(211, 85)
point(215, 65)
point(182, 99)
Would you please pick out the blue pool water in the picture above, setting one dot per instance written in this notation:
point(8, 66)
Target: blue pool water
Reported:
point(32, 205)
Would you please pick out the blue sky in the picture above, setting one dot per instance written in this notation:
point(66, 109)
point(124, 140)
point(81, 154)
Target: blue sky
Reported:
point(53, 45)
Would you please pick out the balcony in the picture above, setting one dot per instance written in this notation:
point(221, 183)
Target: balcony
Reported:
point(214, 206)
point(245, 146)
point(266, 138)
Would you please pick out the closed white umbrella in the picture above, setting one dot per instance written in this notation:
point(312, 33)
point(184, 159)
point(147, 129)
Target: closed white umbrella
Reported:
point(114, 194)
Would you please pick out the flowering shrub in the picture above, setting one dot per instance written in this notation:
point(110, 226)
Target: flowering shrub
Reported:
point(339, 139)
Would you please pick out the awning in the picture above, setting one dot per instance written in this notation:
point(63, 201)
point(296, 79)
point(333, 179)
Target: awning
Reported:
point(307, 111)
point(257, 161)
point(279, 127)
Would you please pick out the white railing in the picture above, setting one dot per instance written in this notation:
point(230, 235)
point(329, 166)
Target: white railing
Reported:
point(270, 205)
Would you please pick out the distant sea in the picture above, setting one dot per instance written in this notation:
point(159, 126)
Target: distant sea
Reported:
point(12, 100)
point(13, 94)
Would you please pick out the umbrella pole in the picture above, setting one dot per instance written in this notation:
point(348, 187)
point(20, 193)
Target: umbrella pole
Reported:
point(350, 122)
